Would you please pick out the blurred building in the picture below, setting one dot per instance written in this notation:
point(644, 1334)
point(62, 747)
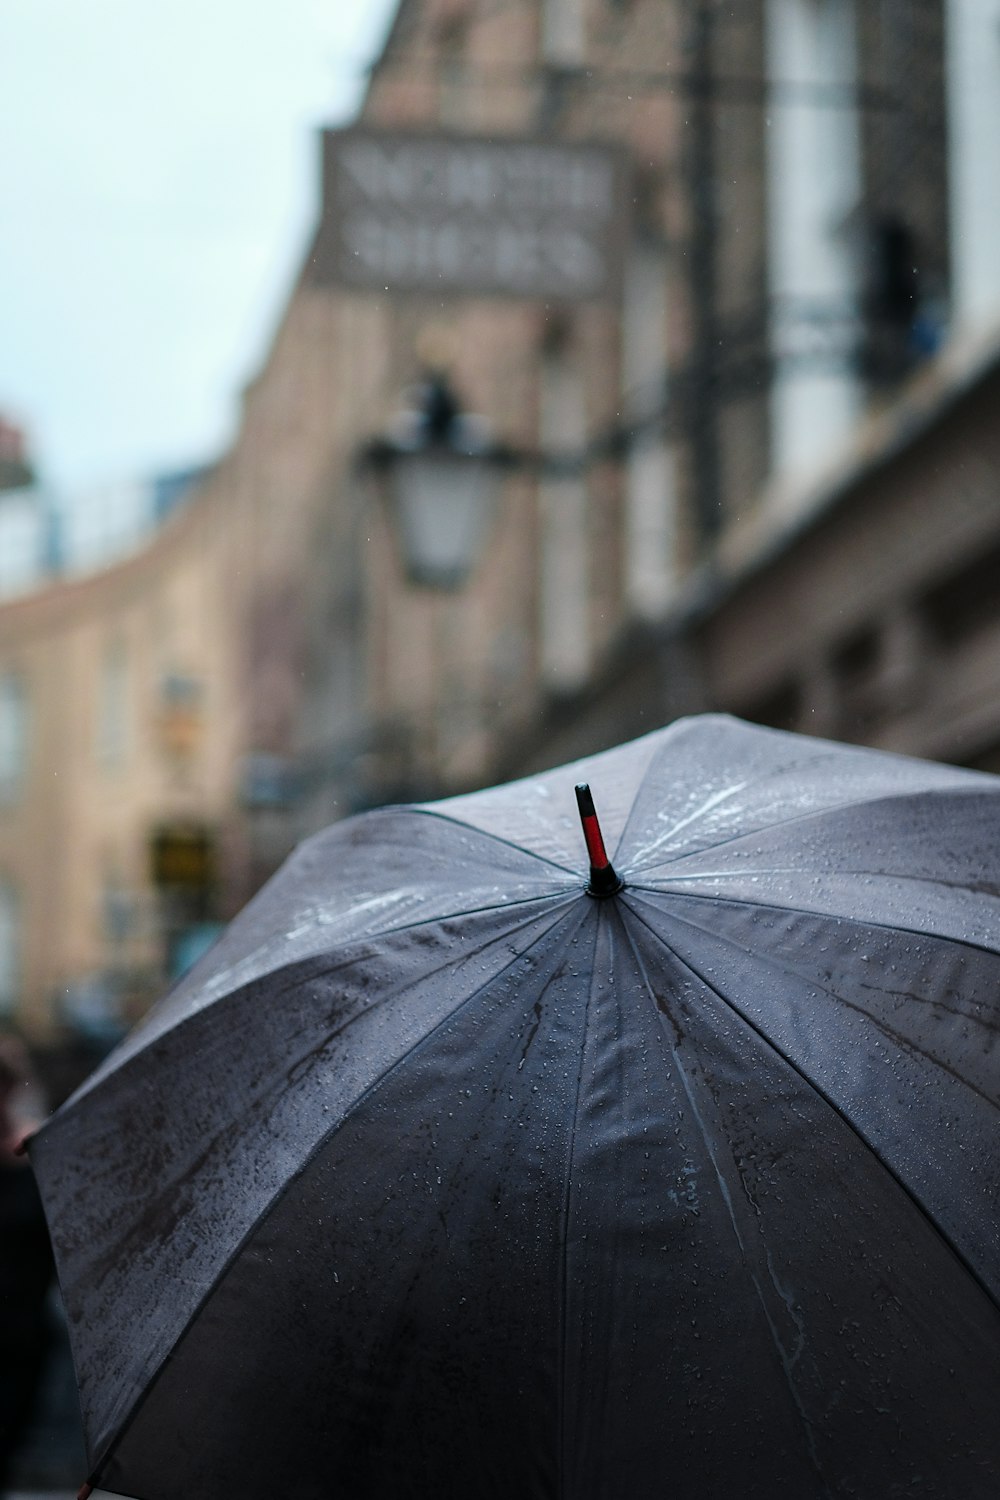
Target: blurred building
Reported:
point(640, 363)
point(26, 538)
point(108, 700)
point(871, 614)
point(877, 617)
point(15, 470)
point(115, 775)
point(657, 387)
point(862, 600)
point(25, 515)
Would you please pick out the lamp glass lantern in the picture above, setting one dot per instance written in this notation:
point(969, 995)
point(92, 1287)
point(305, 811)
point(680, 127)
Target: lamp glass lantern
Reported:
point(442, 473)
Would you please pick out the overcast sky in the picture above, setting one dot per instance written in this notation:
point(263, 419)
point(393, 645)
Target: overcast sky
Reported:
point(159, 181)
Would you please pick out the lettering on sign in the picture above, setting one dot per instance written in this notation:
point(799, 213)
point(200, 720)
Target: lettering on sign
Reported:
point(469, 216)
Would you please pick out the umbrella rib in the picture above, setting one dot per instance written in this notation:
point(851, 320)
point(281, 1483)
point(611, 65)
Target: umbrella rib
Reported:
point(428, 921)
point(786, 1362)
point(805, 911)
point(293, 1177)
point(561, 898)
point(797, 870)
point(830, 1101)
point(800, 817)
point(498, 838)
point(717, 799)
point(905, 1043)
point(564, 1235)
point(259, 1107)
point(292, 979)
point(991, 891)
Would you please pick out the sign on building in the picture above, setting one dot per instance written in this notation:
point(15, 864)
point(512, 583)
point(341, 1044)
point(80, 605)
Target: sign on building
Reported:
point(461, 215)
point(183, 858)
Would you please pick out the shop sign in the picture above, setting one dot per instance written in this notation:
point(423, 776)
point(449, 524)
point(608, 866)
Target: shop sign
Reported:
point(183, 858)
point(473, 216)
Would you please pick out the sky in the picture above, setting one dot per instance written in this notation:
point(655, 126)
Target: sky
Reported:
point(159, 185)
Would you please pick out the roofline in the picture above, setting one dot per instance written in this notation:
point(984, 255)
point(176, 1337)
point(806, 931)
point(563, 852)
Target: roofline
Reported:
point(63, 595)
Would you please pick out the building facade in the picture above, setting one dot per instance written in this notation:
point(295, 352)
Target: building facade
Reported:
point(116, 752)
point(877, 617)
point(743, 443)
point(871, 615)
point(786, 238)
point(784, 271)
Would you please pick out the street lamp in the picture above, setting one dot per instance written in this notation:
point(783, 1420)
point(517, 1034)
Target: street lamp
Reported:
point(441, 469)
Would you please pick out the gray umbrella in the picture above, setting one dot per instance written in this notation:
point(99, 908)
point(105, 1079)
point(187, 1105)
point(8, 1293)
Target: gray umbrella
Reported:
point(444, 1176)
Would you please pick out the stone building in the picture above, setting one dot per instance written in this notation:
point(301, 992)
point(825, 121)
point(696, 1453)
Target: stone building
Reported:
point(870, 613)
point(784, 268)
point(876, 618)
point(726, 466)
point(117, 726)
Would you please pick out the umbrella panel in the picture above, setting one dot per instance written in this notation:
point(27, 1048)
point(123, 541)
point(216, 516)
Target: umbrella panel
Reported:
point(910, 1063)
point(617, 1139)
point(180, 1201)
point(713, 1159)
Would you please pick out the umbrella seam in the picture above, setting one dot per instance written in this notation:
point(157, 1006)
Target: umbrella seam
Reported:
point(805, 911)
point(783, 1358)
point(949, 885)
point(815, 813)
point(564, 1238)
point(291, 980)
point(803, 760)
point(831, 1103)
point(430, 812)
point(151, 1382)
point(99, 1077)
point(904, 1043)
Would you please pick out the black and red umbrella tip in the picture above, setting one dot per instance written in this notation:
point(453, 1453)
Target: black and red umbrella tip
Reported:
point(604, 878)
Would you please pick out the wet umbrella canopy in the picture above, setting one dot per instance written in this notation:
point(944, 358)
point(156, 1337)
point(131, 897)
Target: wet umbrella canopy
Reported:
point(441, 1177)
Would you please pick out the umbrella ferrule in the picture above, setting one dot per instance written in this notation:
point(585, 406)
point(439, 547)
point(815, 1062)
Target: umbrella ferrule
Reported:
point(604, 878)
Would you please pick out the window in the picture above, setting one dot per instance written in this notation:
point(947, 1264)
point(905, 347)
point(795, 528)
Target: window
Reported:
point(972, 60)
point(650, 478)
point(112, 724)
point(565, 552)
point(9, 944)
point(13, 736)
point(814, 186)
point(563, 33)
point(781, 709)
point(966, 603)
